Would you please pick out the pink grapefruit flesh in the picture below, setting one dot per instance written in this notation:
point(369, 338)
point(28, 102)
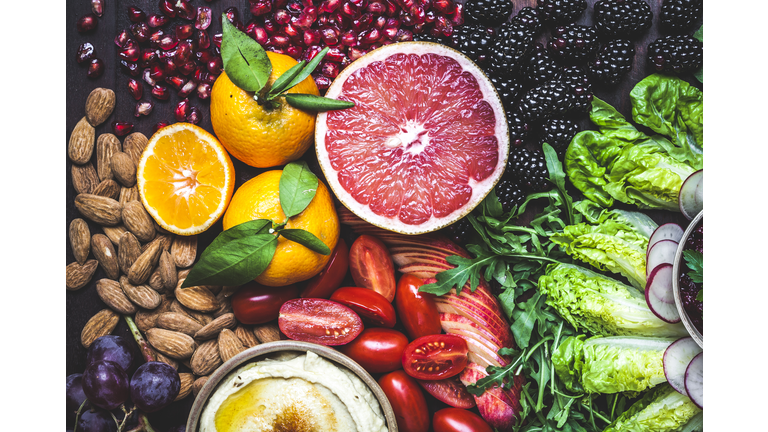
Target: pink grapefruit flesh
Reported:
point(425, 142)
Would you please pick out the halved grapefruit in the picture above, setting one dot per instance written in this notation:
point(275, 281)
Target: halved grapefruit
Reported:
point(425, 142)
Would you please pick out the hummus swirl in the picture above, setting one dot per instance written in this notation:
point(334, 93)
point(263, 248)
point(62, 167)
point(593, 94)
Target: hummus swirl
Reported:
point(292, 393)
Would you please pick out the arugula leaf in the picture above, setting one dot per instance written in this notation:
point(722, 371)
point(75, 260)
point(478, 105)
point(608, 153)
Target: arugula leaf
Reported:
point(245, 61)
point(699, 74)
point(298, 186)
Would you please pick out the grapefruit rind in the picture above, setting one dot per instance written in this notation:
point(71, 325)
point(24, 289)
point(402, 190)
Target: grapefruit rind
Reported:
point(480, 189)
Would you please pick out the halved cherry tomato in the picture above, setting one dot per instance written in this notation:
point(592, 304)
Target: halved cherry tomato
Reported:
point(377, 350)
point(323, 284)
point(407, 401)
point(417, 310)
point(257, 304)
point(435, 357)
point(320, 321)
point(458, 420)
point(371, 266)
point(450, 391)
point(370, 305)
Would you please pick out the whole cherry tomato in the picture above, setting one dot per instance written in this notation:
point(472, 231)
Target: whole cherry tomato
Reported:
point(458, 420)
point(377, 350)
point(370, 305)
point(257, 304)
point(371, 266)
point(435, 357)
point(450, 391)
point(320, 321)
point(417, 310)
point(323, 284)
point(407, 400)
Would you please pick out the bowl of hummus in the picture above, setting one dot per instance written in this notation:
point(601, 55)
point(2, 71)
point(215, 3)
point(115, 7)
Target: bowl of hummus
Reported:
point(291, 386)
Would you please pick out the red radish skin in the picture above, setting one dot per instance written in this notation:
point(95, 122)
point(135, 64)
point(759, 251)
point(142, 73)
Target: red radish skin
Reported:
point(677, 357)
point(665, 311)
point(668, 231)
point(694, 380)
point(662, 252)
point(691, 196)
point(660, 283)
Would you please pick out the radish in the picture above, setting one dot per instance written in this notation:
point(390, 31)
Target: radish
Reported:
point(677, 357)
point(662, 252)
point(694, 380)
point(665, 311)
point(691, 196)
point(668, 231)
point(660, 283)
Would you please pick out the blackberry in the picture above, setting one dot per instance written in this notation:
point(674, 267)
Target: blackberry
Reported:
point(460, 231)
point(573, 43)
point(427, 37)
point(676, 54)
point(622, 18)
point(540, 67)
point(510, 195)
point(558, 132)
point(613, 61)
point(530, 18)
point(512, 43)
point(578, 84)
point(540, 103)
point(518, 128)
point(561, 11)
point(473, 40)
point(508, 87)
point(679, 16)
point(488, 12)
point(529, 169)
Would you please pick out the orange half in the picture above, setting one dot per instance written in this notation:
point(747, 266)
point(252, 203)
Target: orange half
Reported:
point(185, 178)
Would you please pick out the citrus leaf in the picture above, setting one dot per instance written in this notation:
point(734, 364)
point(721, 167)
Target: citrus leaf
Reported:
point(245, 61)
point(306, 239)
point(281, 83)
point(311, 66)
point(258, 226)
point(315, 103)
point(298, 186)
point(234, 262)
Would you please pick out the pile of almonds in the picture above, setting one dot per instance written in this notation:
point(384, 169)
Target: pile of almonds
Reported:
point(145, 265)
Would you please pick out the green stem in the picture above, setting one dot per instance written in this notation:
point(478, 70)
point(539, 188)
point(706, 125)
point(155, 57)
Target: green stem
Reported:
point(592, 412)
point(145, 421)
point(77, 417)
point(146, 350)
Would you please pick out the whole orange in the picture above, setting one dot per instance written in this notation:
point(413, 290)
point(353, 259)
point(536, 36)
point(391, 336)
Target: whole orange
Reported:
point(259, 136)
point(259, 198)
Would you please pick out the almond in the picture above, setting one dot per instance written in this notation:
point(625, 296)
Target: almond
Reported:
point(80, 239)
point(105, 254)
point(141, 295)
point(112, 295)
point(138, 221)
point(167, 360)
point(84, 178)
point(106, 145)
point(167, 270)
point(212, 329)
point(178, 322)
point(134, 145)
point(147, 319)
point(123, 168)
point(114, 233)
point(198, 385)
point(107, 188)
point(197, 298)
point(184, 251)
point(102, 210)
point(206, 358)
point(200, 317)
point(129, 194)
point(142, 267)
point(99, 325)
point(229, 345)
point(186, 385)
point(99, 105)
point(154, 281)
point(128, 251)
point(81, 142)
point(164, 240)
point(173, 344)
point(268, 332)
point(78, 275)
point(225, 306)
point(246, 336)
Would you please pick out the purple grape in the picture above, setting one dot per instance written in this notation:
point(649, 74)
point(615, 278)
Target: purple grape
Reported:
point(96, 420)
point(75, 395)
point(105, 384)
point(113, 348)
point(154, 386)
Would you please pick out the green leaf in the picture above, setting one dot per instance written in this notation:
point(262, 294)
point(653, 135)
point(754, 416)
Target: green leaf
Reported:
point(306, 70)
point(258, 226)
point(700, 295)
point(315, 103)
point(234, 262)
point(557, 176)
point(298, 186)
point(306, 239)
point(281, 83)
point(695, 262)
point(699, 34)
point(245, 61)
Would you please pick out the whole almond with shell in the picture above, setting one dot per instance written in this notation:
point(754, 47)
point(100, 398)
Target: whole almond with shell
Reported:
point(197, 298)
point(138, 221)
point(268, 332)
point(225, 305)
point(128, 251)
point(112, 295)
point(105, 254)
point(167, 269)
point(123, 168)
point(81, 142)
point(80, 239)
point(129, 194)
point(146, 319)
point(184, 250)
point(198, 385)
point(229, 345)
point(167, 360)
point(78, 275)
point(178, 322)
point(142, 267)
point(114, 233)
point(206, 358)
point(246, 336)
point(84, 178)
point(107, 188)
point(141, 295)
point(106, 146)
point(186, 385)
point(200, 317)
point(134, 145)
point(212, 329)
point(155, 281)
point(102, 210)
point(164, 240)
point(175, 345)
point(99, 105)
point(99, 325)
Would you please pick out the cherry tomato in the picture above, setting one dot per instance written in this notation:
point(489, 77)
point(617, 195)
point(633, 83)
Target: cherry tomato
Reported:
point(257, 304)
point(435, 357)
point(370, 305)
point(371, 266)
point(458, 420)
point(407, 401)
point(320, 321)
point(377, 350)
point(323, 284)
point(417, 310)
point(450, 391)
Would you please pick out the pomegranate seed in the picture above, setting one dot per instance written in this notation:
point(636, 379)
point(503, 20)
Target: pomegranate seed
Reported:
point(232, 15)
point(130, 67)
point(84, 52)
point(279, 41)
point(294, 51)
point(168, 66)
point(390, 33)
point(271, 26)
point(95, 68)
point(135, 89)
point(376, 8)
point(183, 31)
point(305, 20)
point(203, 41)
point(444, 6)
point(322, 82)
point(215, 66)
point(121, 128)
point(330, 36)
point(187, 68)
point(457, 17)
point(187, 88)
point(176, 82)
point(335, 55)
point(443, 25)
point(259, 35)
point(168, 42)
point(380, 22)
point(160, 125)
point(260, 7)
point(290, 31)
point(140, 31)
point(329, 69)
point(143, 108)
point(355, 53)
point(135, 14)
point(183, 52)
point(217, 39)
point(156, 20)
point(161, 92)
point(294, 7)
point(157, 73)
point(122, 38)
point(181, 110)
point(279, 4)
point(311, 52)
point(97, 6)
point(392, 8)
point(403, 35)
point(329, 6)
point(204, 90)
point(194, 116)
point(350, 10)
point(204, 56)
point(167, 8)
point(311, 37)
point(148, 57)
point(185, 10)
point(146, 75)
point(430, 16)
point(87, 23)
point(362, 23)
point(204, 17)
point(282, 17)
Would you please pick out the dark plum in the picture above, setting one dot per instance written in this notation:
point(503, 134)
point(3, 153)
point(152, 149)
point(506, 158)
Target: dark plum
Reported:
point(96, 420)
point(115, 349)
point(154, 385)
point(75, 395)
point(105, 384)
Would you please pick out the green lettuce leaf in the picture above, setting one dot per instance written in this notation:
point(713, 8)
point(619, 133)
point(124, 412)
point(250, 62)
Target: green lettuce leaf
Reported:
point(601, 305)
point(660, 410)
point(611, 364)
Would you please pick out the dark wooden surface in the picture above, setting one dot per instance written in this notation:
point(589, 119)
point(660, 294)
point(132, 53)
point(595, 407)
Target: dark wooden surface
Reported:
point(82, 304)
